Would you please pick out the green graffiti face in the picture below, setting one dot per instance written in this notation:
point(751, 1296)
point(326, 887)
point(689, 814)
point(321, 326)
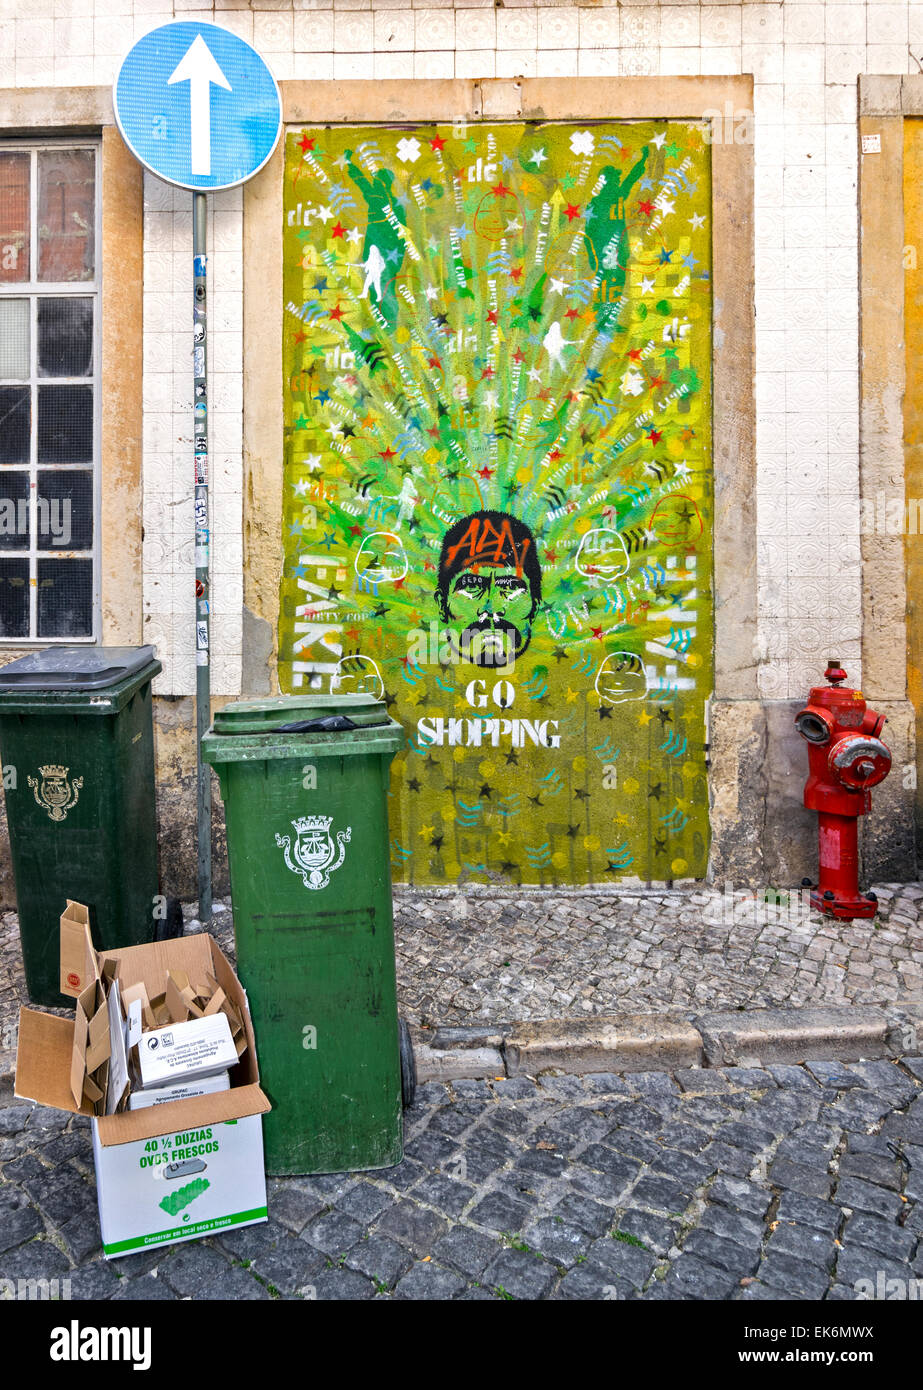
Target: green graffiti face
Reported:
point(490, 612)
point(498, 490)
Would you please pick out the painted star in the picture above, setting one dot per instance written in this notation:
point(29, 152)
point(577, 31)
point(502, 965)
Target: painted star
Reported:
point(538, 157)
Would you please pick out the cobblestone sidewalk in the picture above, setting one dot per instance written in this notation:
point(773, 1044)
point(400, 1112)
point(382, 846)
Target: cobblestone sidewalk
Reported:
point(801, 1183)
point(486, 958)
point(490, 958)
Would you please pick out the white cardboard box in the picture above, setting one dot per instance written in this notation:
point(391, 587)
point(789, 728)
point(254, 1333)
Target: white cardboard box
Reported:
point(175, 1187)
point(186, 1051)
point(139, 1207)
point(187, 1090)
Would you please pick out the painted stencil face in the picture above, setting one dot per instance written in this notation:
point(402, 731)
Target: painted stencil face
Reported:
point(490, 610)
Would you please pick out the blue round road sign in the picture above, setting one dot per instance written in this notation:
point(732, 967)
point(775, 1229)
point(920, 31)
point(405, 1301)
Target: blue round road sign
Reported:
point(198, 106)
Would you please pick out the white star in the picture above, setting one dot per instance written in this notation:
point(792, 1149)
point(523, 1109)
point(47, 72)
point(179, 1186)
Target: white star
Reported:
point(301, 488)
point(632, 383)
point(354, 235)
point(665, 206)
point(514, 226)
point(658, 140)
point(335, 428)
point(490, 399)
point(538, 157)
point(534, 374)
point(696, 221)
point(432, 292)
point(312, 462)
point(324, 214)
point(558, 287)
point(647, 286)
point(408, 151)
point(682, 471)
point(582, 142)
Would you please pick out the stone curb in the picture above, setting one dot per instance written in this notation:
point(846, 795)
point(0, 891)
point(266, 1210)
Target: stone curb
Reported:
point(658, 1042)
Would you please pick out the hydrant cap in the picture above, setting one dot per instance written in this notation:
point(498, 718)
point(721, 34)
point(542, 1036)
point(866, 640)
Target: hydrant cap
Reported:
point(834, 672)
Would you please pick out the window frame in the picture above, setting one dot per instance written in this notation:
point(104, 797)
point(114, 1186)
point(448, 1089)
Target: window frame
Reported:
point(33, 290)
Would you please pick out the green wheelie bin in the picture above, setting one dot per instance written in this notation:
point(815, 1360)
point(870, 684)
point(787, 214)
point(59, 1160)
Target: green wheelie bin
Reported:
point(77, 746)
point(304, 781)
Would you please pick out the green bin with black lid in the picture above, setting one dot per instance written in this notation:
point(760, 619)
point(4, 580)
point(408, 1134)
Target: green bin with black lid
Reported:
point(77, 745)
point(304, 780)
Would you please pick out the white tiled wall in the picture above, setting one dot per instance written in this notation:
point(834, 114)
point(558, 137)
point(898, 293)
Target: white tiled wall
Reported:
point(805, 58)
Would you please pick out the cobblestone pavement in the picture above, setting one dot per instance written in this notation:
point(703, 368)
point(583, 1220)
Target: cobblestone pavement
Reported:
point(501, 959)
point(477, 958)
point(786, 1183)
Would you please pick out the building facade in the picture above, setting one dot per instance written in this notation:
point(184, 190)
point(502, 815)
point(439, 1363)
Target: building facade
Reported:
point(598, 320)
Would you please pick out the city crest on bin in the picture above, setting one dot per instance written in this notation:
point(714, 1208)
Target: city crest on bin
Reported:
point(55, 794)
point(314, 852)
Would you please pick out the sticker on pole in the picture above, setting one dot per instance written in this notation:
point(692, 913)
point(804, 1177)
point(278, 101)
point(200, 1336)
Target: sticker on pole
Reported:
point(197, 106)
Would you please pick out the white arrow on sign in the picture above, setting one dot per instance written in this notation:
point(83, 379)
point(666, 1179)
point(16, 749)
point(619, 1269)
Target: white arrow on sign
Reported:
point(199, 68)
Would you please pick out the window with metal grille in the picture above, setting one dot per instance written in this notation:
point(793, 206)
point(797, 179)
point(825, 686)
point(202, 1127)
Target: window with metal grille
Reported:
point(49, 391)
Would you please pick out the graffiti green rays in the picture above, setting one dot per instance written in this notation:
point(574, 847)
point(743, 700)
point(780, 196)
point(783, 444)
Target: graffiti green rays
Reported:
point(498, 484)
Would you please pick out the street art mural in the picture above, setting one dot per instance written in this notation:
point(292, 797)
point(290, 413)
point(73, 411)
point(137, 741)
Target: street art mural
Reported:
point(498, 485)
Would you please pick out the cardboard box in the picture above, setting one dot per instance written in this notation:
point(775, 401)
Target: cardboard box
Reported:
point(160, 1095)
point(147, 1196)
point(186, 1051)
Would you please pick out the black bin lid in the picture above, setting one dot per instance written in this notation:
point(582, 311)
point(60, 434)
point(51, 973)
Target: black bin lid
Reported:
point(75, 668)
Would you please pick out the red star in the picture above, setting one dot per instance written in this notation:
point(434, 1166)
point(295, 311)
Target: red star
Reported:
point(488, 372)
point(485, 472)
point(388, 454)
point(597, 633)
point(338, 231)
point(305, 144)
point(434, 431)
point(337, 313)
point(428, 565)
point(635, 354)
point(555, 454)
point(646, 208)
point(655, 436)
point(501, 190)
point(572, 212)
point(434, 362)
point(300, 336)
point(399, 583)
point(355, 530)
point(657, 381)
point(572, 314)
point(544, 394)
point(551, 556)
point(518, 356)
point(516, 272)
point(492, 316)
point(437, 142)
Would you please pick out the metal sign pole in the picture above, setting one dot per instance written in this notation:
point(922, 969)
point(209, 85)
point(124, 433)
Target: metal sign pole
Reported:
point(202, 587)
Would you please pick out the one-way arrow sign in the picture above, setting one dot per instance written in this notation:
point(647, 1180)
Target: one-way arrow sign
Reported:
point(200, 70)
point(214, 133)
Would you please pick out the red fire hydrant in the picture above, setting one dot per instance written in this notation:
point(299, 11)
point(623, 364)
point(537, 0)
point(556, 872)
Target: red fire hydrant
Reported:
point(846, 758)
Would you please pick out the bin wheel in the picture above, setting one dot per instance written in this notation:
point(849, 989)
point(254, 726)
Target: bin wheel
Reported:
point(408, 1065)
point(170, 926)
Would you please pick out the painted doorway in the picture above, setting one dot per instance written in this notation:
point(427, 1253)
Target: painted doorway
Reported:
point(498, 482)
